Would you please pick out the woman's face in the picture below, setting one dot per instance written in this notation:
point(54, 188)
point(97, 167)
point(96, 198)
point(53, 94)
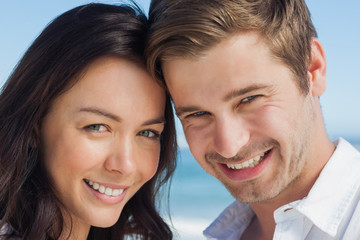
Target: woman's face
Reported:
point(101, 140)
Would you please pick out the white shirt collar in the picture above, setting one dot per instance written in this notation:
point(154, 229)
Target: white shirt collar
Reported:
point(231, 222)
point(325, 204)
point(334, 189)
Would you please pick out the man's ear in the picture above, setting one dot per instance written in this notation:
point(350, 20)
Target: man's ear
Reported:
point(317, 69)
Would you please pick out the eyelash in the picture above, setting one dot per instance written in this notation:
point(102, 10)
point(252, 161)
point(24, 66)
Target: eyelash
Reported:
point(249, 99)
point(196, 114)
point(156, 134)
point(246, 100)
point(90, 127)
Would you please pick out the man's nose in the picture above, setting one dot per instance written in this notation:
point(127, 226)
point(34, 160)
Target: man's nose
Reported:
point(230, 135)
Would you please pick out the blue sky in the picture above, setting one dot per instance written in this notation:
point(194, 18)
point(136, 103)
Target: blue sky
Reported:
point(337, 23)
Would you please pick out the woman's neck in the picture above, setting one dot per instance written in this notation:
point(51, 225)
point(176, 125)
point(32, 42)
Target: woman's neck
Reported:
point(74, 229)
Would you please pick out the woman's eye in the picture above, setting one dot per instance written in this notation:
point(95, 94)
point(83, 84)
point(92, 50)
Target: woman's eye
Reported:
point(96, 127)
point(149, 134)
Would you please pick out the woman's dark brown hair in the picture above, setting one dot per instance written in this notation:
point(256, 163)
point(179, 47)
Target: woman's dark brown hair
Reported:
point(54, 62)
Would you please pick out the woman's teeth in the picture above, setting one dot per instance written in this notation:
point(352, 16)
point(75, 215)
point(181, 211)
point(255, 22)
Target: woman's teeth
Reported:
point(247, 164)
point(105, 190)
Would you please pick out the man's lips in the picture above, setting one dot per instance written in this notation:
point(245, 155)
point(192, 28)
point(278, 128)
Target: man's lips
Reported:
point(246, 170)
point(248, 163)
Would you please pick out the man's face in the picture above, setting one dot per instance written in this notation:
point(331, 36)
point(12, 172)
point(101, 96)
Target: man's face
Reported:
point(244, 117)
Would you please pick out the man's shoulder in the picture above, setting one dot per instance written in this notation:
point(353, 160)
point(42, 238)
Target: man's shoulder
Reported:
point(230, 224)
point(333, 201)
point(345, 149)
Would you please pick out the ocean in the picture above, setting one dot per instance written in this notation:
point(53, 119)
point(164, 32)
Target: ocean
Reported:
point(196, 198)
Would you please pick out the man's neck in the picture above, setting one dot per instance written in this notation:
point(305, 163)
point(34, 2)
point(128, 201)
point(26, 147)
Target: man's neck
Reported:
point(263, 224)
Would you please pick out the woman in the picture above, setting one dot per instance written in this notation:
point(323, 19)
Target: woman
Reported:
point(84, 130)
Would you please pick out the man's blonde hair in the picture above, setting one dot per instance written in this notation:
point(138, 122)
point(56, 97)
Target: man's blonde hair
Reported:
point(189, 28)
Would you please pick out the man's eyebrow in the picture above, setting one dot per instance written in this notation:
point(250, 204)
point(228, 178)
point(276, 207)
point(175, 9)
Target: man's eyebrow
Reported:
point(233, 94)
point(243, 91)
point(101, 112)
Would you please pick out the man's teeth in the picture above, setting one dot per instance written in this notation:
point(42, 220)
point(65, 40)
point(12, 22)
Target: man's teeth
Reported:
point(247, 164)
point(105, 190)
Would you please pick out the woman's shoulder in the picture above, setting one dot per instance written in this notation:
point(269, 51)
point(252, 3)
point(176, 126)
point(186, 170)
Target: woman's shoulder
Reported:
point(6, 229)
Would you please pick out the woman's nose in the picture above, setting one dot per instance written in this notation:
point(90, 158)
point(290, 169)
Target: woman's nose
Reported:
point(121, 157)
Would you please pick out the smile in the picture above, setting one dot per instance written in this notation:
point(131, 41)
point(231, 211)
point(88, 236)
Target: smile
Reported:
point(104, 190)
point(253, 162)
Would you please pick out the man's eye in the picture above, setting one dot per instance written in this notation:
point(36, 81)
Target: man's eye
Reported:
point(96, 127)
point(149, 134)
point(249, 99)
point(197, 114)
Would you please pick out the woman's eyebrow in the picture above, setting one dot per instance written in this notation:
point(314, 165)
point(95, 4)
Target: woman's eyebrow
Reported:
point(160, 120)
point(101, 112)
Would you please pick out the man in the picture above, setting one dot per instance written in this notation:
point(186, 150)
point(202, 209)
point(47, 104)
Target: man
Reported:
point(245, 78)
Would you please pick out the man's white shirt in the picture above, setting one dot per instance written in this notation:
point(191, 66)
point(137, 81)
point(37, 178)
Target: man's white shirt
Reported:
point(330, 211)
